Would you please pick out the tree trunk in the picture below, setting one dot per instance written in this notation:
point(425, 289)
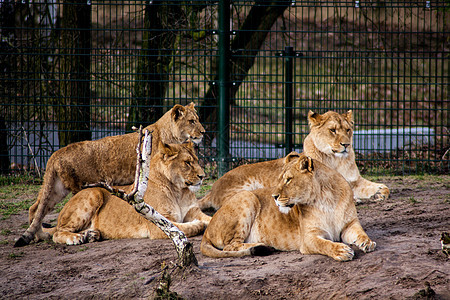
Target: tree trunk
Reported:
point(248, 40)
point(154, 62)
point(72, 109)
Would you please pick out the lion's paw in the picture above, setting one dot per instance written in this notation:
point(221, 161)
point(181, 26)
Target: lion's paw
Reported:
point(367, 246)
point(381, 194)
point(343, 252)
point(92, 236)
point(76, 239)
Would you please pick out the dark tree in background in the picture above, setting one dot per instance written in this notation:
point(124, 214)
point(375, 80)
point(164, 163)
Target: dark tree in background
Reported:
point(154, 61)
point(72, 104)
point(6, 66)
point(162, 22)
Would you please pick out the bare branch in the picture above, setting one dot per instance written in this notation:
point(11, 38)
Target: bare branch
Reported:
point(138, 162)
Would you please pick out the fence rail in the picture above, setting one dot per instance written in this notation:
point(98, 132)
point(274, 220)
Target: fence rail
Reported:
point(75, 70)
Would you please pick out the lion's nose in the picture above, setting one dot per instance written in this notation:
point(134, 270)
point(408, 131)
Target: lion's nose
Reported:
point(275, 196)
point(345, 145)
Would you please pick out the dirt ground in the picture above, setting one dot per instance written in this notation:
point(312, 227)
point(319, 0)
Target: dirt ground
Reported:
point(407, 264)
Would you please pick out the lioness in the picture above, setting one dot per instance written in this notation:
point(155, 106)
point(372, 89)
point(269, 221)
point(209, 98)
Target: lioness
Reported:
point(310, 209)
point(94, 213)
point(330, 141)
point(111, 159)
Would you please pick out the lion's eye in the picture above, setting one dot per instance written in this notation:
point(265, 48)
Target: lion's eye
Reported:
point(332, 130)
point(188, 163)
point(192, 121)
point(348, 130)
point(288, 180)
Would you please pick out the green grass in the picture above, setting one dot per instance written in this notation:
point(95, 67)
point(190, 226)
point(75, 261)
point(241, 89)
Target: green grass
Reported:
point(5, 232)
point(15, 198)
point(413, 200)
point(7, 208)
point(16, 255)
point(20, 179)
point(206, 186)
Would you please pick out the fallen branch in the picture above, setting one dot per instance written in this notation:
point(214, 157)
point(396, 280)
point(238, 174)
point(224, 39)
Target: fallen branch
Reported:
point(135, 198)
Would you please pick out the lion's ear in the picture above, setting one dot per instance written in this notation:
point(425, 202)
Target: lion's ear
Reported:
point(191, 106)
point(314, 118)
point(170, 151)
point(190, 144)
point(349, 117)
point(178, 112)
point(291, 157)
point(306, 163)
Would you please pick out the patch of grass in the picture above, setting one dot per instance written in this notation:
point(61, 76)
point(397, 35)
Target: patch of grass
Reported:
point(413, 200)
point(83, 248)
point(19, 179)
point(10, 208)
point(18, 190)
point(15, 255)
point(5, 232)
point(206, 186)
point(4, 242)
point(15, 198)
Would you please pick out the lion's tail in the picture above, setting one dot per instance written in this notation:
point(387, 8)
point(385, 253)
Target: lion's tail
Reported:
point(208, 249)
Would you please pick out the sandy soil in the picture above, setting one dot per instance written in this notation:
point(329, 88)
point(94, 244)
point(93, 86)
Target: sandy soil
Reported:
point(407, 264)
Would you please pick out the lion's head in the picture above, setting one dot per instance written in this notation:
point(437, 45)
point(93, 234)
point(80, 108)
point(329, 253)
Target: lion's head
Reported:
point(188, 125)
point(295, 183)
point(179, 164)
point(332, 133)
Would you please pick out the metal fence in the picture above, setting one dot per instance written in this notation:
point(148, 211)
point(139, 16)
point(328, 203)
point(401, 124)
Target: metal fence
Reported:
point(76, 70)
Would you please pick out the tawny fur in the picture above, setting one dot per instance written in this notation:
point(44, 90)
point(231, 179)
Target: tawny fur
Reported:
point(94, 213)
point(322, 220)
point(330, 141)
point(110, 159)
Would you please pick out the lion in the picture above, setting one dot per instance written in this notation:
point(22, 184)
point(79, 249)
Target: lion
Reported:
point(94, 213)
point(310, 209)
point(111, 159)
point(330, 141)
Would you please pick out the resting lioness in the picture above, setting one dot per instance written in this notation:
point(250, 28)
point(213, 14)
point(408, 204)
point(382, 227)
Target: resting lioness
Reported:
point(94, 213)
point(330, 141)
point(310, 209)
point(111, 159)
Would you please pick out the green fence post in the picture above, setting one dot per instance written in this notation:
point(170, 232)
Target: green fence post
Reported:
point(223, 134)
point(289, 54)
point(288, 96)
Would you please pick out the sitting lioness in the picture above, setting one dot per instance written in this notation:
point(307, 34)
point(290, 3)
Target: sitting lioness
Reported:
point(94, 213)
point(110, 159)
point(330, 141)
point(311, 209)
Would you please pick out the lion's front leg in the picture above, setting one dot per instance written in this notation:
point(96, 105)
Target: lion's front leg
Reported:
point(354, 234)
point(195, 213)
point(317, 244)
point(191, 228)
point(364, 189)
point(72, 238)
